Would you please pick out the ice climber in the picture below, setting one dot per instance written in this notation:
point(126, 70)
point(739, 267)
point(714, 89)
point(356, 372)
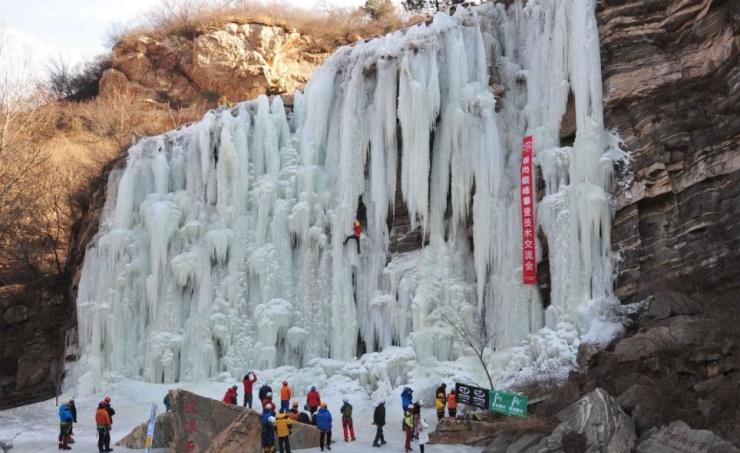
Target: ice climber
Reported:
point(284, 428)
point(249, 379)
point(268, 433)
point(65, 421)
point(103, 424)
point(356, 236)
point(231, 396)
point(379, 422)
point(406, 397)
point(285, 394)
point(73, 409)
point(323, 423)
point(313, 399)
point(346, 411)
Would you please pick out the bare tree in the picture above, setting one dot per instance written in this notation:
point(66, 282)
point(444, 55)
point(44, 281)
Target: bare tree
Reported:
point(474, 338)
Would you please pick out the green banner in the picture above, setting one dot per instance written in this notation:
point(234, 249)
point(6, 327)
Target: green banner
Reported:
point(507, 403)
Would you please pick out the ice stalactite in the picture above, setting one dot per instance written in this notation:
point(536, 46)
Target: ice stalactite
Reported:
point(221, 244)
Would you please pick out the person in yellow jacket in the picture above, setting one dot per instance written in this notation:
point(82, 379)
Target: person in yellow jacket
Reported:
point(284, 427)
point(452, 404)
point(439, 403)
point(104, 424)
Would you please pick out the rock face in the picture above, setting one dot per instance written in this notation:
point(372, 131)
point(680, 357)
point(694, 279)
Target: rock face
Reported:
point(671, 73)
point(233, 63)
point(678, 437)
point(199, 424)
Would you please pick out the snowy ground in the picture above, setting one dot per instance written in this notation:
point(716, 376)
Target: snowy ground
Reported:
point(36, 426)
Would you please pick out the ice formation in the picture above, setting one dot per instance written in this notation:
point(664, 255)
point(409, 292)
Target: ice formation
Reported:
point(221, 244)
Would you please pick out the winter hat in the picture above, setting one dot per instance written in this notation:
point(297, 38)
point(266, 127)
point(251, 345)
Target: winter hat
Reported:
point(313, 387)
point(101, 404)
point(285, 382)
point(306, 407)
point(295, 403)
point(381, 401)
point(345, 399)
point(107, 399)
point(323, 404)
point(234, 387)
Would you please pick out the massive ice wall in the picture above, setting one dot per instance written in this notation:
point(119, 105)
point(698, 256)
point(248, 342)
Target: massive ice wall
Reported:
point(221, 244)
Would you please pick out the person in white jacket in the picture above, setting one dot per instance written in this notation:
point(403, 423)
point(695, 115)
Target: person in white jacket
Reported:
point(423, 434)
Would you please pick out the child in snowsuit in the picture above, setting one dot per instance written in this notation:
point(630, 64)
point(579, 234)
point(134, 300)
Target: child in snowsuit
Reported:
point(346, 411)
point(356, 236)
point(423, 434)
point(103, 424)
point(323, 423)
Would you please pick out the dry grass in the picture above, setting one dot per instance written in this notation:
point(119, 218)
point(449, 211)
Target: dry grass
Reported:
point(328, 25)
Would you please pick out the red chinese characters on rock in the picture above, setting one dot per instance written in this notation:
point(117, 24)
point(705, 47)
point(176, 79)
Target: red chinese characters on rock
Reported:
point(191, 425)
point(529, 256)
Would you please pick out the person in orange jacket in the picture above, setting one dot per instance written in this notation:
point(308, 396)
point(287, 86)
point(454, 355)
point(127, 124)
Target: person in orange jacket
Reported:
point(104, 425)
point(285, 394)
point(293, 412)
point(452, 404)
point(356, 236)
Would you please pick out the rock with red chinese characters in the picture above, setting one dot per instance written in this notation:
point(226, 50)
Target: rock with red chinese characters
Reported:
point(243, 436)
point(678, 437)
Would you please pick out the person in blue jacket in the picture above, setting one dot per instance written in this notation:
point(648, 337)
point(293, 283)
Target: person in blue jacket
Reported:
point(323, 423)
point(268, 432)
point(65, 423)
point(406, 398)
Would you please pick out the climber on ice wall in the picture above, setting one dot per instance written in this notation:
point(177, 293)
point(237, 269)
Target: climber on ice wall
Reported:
point(356, 236)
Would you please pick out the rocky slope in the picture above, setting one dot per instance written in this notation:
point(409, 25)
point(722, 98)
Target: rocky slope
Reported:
point(232, 63)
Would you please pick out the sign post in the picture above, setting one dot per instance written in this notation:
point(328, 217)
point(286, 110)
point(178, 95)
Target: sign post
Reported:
point(508, 403)
point(472, 396)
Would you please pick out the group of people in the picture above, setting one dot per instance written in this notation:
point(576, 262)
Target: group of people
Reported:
point(317, 413)
point(103, 421)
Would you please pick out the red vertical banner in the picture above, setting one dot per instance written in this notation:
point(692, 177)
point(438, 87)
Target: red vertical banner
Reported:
point(529, 257)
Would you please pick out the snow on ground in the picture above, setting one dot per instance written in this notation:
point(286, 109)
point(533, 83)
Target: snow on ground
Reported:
point(36, 426)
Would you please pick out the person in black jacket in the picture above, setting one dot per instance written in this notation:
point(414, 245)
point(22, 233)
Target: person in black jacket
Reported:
point(110, 410)
point(264, 390)
point(443, 390)
point(379, 422)
point(305, 416)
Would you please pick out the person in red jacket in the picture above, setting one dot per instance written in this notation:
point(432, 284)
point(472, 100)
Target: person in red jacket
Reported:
point(313, 399)
point(230, 396)
point(356, 236)
point(248, 382)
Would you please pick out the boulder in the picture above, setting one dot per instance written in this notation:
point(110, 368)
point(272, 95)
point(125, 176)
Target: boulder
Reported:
point(676, 333)
point(199, 424)
point(678, 437)
point(594, 423)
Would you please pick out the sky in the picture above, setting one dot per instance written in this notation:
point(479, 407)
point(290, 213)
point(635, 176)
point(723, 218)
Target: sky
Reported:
point(77, 29)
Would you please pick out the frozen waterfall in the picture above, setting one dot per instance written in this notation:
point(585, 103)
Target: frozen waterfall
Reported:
point(220, 246)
